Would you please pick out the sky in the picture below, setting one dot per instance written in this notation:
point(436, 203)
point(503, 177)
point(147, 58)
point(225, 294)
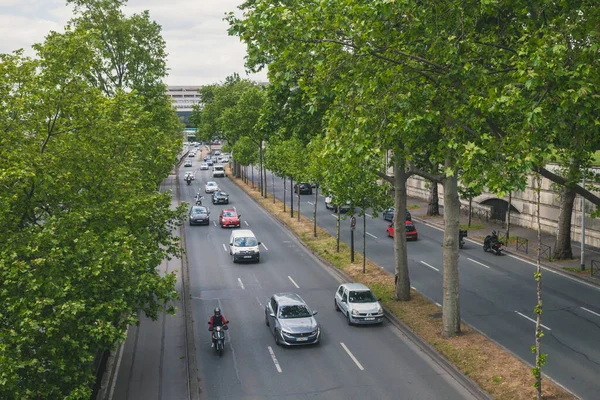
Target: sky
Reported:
point(200, 50)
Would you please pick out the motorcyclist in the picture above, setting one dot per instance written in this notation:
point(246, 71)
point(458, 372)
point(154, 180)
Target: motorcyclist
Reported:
point(188, 179)
point(198, 198)
point(217, 319)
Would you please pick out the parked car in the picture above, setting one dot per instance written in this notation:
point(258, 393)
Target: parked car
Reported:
point(358, 304)
point(229, 218)
point(330, 204)
point(243, 246)
point(388, 214)
point(220, 197)
point(204, 166)
point(211, 187)
point(304, 188)
point(190, 174)
point(291, 320)
point(199, 215)
point(411, 231)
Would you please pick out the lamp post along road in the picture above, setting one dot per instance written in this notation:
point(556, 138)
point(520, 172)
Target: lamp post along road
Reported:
point(352, 227)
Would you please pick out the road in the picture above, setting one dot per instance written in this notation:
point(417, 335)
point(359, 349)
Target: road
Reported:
point(498, 295)
point(350, 362)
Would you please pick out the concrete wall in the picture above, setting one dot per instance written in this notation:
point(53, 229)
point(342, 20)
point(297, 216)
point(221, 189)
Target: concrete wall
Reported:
point(525, 203)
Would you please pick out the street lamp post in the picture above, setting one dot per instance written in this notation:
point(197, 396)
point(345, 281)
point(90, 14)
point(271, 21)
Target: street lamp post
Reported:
point(352, 227)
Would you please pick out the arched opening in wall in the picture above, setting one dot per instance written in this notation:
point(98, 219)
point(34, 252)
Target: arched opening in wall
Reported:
point(499, 209)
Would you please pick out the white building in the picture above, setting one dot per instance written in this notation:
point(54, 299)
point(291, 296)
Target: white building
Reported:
point(183, 98)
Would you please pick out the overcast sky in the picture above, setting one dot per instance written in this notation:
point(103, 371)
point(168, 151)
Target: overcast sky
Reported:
point(200, 51)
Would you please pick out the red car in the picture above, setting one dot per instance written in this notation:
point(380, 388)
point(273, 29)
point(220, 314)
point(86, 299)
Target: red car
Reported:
point(229, 218)
point(411, 231)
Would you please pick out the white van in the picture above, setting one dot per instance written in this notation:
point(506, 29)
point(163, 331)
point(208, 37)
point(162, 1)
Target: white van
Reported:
point(218, 171)
point(243, 246)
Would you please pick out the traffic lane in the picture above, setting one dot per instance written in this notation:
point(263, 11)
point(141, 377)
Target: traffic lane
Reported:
point(298, 265)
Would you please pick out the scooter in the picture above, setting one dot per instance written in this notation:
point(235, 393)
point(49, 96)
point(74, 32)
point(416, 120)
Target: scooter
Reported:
point(218, 337)
point(491, 243)
point(189, 181)
point(199, 200)
point(462, 234)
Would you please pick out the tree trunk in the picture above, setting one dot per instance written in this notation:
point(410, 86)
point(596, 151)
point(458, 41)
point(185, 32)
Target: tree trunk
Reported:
point(402, 278)
point(451, 306)
point(260, 172)
point(291, 198)
point(539, 359)
point(284, 200)
point(252, 167)
point(562, 246)
point(265, 180)
point(298, 204)
point(337, 230)
point(315, 212)
point(433, 207)
point(273, 186)
point(508, 217)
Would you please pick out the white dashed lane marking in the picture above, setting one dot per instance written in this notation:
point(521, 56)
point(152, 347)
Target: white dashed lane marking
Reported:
point(533, 320)
point(295, 284)
point(477, 262)
point(274, 359)
point(590, 311)
point(241, 284)
point(352, 357)
point(430, 266)
point(224, 247)
point(370, 234)
point(263, 245)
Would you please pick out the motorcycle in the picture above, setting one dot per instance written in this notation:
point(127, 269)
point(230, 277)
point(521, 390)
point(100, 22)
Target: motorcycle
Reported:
point(218, 337)
point(199, 200)
point(462, 234)
point(189, 181)
point(491, 243)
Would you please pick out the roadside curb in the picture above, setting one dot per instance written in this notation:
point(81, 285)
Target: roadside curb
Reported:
point(431, 352)
point(523, 257)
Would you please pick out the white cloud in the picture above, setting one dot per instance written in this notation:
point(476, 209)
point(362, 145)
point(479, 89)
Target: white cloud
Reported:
point(200, 50)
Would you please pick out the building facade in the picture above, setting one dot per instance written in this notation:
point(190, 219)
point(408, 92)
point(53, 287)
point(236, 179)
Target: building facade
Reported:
point(183, 99)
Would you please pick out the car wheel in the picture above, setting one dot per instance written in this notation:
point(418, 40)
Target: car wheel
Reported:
point(277, 341)
point(337, 308)
point(388, 232)
point(267, 320)
point(234, 261)
point(348, 318)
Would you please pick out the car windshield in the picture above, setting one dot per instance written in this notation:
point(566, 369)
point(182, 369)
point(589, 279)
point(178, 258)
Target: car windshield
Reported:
point(198, 210)
point(364, 296)
point(296, 311)
point(229, 214)
point(246, 242)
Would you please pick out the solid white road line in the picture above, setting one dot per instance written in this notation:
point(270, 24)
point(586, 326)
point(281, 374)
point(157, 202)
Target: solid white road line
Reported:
point(224, 247)
point(352, 357)
point(370, 216)
point(263, 245)
point(533, 320)
point(590, 311)
point(334, 216)
point(295, 284)
point(246, 222)
point(261, 304)
point(215, 223)
point(312, 204)
point(241, 283)
point(430, 266)
point(477, 262)
point(274, 359)
point(370, 234)
point(438, 304)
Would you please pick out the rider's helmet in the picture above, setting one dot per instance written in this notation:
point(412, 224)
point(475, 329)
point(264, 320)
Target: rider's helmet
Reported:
point(217, 311)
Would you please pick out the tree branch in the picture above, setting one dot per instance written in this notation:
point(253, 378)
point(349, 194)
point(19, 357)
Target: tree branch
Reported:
point(586, 194)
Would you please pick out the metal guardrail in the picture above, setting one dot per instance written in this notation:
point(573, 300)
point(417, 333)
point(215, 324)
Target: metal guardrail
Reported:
point(99, 366)
point(594, 267)
point(503, 237)
point(522, 244)
point(546, 251)
point(482, 215)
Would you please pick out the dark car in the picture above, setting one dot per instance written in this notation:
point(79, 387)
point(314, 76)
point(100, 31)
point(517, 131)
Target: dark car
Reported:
point(291, 321)
point(411, 231)
point(388, 214)
point(305, 188)
point(220, 197)
point(199, 215)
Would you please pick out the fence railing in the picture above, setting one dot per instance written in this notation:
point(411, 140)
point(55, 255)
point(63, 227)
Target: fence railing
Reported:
point(595, 267)
point(545, 252)
point(503, 237)
point(480, 214)
point(522, 244)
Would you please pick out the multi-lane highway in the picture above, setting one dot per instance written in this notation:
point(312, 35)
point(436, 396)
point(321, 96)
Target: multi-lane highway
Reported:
point(498, 295)
point(350, 362)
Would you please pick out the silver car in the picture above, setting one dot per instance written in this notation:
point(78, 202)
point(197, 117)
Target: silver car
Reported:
point(358, 304)
point(291, 321)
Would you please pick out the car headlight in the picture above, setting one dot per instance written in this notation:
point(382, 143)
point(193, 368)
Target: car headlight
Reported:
point(380, 310)
point(315, 332)
point(288, 334)
point(355, 312)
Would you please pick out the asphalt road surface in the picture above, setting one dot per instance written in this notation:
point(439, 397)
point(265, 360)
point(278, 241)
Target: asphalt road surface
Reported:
point(498, 294)
point(350, 362)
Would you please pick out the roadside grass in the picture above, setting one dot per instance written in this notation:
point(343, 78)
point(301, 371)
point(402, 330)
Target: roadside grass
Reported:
point(493, 368)
point(596, 162)
point(413, 206)
point(473, 227)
